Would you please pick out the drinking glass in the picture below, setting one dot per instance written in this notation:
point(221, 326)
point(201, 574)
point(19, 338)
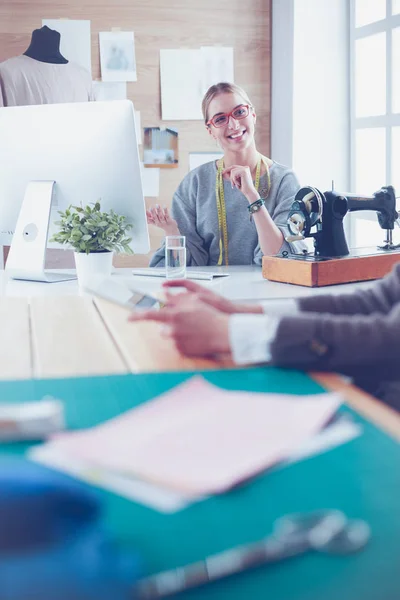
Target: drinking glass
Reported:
point(175, 256)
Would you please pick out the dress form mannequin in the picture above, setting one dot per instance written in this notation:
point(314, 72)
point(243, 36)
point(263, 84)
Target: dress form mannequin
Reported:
point(45, 46)
point(42, 75)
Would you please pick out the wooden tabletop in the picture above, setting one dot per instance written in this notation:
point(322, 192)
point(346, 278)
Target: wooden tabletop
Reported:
point(67, 336)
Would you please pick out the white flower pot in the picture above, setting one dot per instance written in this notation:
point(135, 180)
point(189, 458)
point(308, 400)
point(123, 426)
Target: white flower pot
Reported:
point(94, 263)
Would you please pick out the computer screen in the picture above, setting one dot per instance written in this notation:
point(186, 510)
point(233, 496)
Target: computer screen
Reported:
point(90, 151)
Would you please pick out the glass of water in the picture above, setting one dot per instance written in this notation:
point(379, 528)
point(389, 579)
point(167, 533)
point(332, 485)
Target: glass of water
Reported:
point(175, 256)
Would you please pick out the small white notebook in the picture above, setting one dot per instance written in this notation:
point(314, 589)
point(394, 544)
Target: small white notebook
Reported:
point(160, 272)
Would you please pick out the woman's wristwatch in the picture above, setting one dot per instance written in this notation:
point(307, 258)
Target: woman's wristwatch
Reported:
point(255, 206)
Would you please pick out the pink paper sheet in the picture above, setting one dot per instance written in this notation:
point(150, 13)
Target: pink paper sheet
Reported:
point(200, 439)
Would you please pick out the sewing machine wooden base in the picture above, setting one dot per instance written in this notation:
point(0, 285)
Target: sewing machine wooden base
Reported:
point(362, 264)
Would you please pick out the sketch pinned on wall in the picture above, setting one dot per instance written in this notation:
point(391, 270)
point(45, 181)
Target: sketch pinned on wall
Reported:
point(160, 147)
point(75, 42)
point(217, 65)
point(182, 89)
point(117, 56)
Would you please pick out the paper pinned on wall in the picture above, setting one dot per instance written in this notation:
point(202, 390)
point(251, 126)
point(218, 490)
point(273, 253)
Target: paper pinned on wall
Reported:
point(161, 147)
point(138, 127)
point(182, 89)
point(196, 159)
point(109, 90)
point(217, 65)
point(75, 43)
point(117, 56)
point(150, 181)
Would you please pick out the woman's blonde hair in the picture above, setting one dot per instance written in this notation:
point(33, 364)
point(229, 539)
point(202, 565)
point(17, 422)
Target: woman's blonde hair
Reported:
point(221, 88)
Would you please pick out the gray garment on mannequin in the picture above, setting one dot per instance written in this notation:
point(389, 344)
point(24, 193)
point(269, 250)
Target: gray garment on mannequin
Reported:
point(195, 211)
point(25, 81)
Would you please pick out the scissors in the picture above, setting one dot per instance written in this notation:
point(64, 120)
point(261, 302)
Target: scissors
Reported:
point(324, 531)
point(327, 531)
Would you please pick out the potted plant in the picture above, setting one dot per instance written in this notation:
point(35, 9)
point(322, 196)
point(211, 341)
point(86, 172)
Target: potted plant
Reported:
point(94, 236)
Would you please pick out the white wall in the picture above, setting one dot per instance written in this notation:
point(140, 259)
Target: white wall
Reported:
point(310, 90)
point(282, 81)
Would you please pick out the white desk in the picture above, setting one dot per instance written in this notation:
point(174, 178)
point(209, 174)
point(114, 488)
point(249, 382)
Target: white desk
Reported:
point(51, 330)
point(243, 283)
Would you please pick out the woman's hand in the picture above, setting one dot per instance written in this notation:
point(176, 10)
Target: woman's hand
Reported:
point(208, 297)
point(160, 217)
point(204, 294)
point(197, 328)
point(240, 177)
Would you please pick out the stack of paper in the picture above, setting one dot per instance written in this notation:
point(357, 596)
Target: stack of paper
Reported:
point(193, 441)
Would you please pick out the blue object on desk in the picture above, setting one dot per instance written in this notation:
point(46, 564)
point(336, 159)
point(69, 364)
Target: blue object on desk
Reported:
point(52, 545)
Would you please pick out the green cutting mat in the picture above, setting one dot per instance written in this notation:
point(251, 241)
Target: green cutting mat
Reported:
point(362, 478)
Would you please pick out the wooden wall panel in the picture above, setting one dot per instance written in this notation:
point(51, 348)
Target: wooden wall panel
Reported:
point(159, 24)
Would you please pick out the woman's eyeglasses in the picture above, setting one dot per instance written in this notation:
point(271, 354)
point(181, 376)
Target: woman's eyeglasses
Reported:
point(240, 112)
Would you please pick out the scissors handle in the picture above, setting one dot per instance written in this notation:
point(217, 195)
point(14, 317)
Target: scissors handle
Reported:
point(295, 534)
point(218, 566)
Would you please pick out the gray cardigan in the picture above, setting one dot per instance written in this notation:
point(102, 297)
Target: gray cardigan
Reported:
point(194, 208)
point(357, 334)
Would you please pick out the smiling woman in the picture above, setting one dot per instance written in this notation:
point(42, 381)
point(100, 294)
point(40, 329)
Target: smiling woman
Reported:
point(234, 210)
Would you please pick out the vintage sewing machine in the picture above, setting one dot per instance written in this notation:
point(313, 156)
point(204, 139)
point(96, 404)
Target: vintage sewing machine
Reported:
point(320, 216)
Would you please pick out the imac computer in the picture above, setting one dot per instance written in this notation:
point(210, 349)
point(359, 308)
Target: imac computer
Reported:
point(55, 155)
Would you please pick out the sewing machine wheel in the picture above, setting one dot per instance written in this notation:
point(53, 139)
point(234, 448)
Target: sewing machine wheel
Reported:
point(313, 201)
point(306, 211)
point(296, 223)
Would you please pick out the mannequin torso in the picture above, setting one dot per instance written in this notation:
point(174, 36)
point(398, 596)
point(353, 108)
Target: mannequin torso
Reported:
point(45, 46)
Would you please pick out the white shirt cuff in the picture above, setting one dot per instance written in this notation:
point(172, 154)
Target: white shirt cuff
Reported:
point(250, 337)
point(284, 306)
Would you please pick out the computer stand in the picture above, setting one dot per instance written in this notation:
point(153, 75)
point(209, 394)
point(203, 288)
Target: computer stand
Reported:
point(27, 255)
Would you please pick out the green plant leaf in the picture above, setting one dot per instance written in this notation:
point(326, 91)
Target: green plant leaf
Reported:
point(88, 229)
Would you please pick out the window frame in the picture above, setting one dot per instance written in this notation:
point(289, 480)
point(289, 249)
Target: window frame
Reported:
point(386, 121)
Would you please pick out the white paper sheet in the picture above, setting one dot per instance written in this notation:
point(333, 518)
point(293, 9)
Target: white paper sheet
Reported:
point(167, 501)
point(337, 433)
point(200, 158)
point(138, 127)
point(150, 181)
point(117, 56)
point(181, 84)
point(175, 439)
point(145, 493)
point(187, 74)
point(75, 44)
point(109, 90)
point(217, 65)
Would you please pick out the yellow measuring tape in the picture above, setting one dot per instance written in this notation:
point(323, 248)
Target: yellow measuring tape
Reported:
point(221, 208)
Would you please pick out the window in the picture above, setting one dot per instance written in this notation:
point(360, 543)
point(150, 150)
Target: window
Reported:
point(375, 104)
point(369, 11)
